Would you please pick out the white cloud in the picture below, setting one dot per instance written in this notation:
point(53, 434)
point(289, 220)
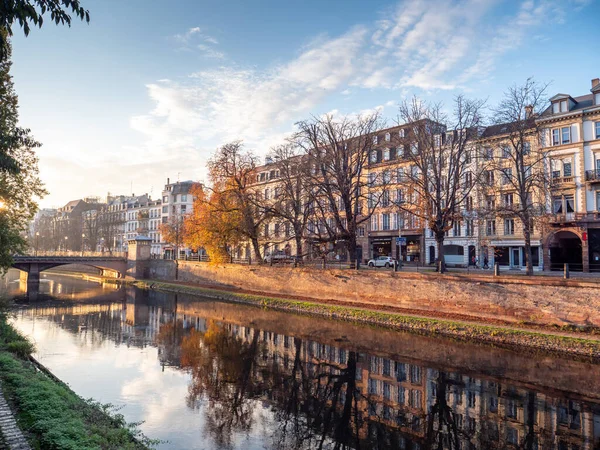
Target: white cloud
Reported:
point(195, 39)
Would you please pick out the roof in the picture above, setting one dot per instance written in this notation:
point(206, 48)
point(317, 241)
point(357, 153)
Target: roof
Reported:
point(505, 128)
point(581, 102)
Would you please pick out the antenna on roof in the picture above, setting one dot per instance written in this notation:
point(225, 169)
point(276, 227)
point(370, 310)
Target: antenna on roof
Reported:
point(131, 190)
point(178, 176)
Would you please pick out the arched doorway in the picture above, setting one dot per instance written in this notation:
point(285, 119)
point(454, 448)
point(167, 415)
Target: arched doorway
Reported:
point(565, 247)
point(472, 255)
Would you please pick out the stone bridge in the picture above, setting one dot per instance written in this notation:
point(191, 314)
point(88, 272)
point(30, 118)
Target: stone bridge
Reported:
point(33, 265)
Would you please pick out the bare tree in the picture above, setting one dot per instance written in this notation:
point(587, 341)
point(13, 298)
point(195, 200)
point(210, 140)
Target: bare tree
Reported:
point(338, 153)
point(91, 228)
point(291, 202)
point(233, 170)
point(110, 224)
point(512, 149)
point(442, 173)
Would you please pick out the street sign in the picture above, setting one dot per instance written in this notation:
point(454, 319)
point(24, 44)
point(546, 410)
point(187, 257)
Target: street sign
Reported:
point(400, 241)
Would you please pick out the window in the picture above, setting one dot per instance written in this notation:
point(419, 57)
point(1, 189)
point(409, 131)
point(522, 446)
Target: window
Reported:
point(555, 108)
point(385, 199)
point(166, 199)
point(373, 158)
point(567, 172)
point(414, 148)
point(469, 203)
point(165, 209)
point(490, 228)
point(375, 140)
point(505, 151)
point(468, 180)
point(507, 199)
point(387, 177)
point(470, 227)
point(374, 222)
point(526, 148)
point(488, 153)
point(401, 133)
point(372, 178)
point(566, 135)
point(266, 230)
point(556, 137)
point(361, 231)
point(597, 126)
point(400, 174)
point(387, 137)
point(183, 209)
point(399, 196)
point(437, 141)
point(386, 154)
point(385, 222)
point(415, 374)
point(509, 227)
point(563, 106)
point(569, 203)
point(506, 176)
point(557, 205)
point(400, 152)
point(457, 228)
point(267, 194)
point(184, 197)
point(489, 177)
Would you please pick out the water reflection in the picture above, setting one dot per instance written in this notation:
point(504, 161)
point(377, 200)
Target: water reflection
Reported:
point(300, 383)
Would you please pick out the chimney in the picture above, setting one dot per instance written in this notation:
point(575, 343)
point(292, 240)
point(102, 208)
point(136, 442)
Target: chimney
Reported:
point(595, 82)
point(528, 111)
point(168, 181)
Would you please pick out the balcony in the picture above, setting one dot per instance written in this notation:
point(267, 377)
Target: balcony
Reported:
point(592, 176)
point(575, 217)
point(559, 181)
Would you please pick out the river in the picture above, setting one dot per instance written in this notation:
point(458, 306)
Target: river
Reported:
point(198, 373)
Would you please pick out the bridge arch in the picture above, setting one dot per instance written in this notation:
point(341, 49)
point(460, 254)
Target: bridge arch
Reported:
point(34, 265)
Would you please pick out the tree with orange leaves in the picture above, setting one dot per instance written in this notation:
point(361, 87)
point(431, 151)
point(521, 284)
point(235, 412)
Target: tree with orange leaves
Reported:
point(213, 223)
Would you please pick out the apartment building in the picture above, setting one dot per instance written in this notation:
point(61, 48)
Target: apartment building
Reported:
point(571, 137)
point(177, 202)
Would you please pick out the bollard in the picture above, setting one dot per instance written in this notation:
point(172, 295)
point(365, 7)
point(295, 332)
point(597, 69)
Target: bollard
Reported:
point(396, 264)
point(566, 276)
point(496, 269)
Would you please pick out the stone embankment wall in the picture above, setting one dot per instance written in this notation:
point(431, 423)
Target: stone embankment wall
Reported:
point(538, 300)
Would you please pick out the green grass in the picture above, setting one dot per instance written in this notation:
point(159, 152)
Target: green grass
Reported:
point(423, 325)
point(51, 414)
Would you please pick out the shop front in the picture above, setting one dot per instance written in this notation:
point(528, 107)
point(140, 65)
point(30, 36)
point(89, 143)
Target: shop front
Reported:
point(381, 246)
point(411, 252)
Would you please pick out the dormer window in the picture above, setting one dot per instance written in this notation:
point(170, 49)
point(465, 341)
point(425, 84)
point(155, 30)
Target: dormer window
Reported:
point(401, 133)
point(375, 140)
point(387, 137)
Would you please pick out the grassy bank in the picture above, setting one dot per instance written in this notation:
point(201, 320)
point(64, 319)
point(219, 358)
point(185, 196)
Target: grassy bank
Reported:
point(497, 335)
point(50, 414)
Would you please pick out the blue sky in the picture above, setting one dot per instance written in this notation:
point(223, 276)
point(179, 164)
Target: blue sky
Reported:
point(150, 88)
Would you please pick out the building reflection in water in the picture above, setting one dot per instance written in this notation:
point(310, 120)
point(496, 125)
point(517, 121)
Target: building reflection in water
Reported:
point(322, 395)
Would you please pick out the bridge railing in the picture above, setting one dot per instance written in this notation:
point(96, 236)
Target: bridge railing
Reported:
point(78, 254)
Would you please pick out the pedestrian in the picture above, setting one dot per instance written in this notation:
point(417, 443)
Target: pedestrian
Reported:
point(485, 262)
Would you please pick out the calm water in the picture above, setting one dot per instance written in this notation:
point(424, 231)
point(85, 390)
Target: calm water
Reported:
point(205, 374)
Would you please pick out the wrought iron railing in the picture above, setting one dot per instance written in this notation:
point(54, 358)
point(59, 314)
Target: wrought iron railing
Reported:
point(592, 175)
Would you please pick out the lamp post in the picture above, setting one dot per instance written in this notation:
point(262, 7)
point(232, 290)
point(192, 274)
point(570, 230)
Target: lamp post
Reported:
point(82, 243)
point(66, 239)
point(37, 240)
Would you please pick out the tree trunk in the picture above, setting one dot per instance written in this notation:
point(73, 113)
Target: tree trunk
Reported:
point(352, 250)
point(256, 248)
point(298, 247)
point(528, 253)
point(439, 238)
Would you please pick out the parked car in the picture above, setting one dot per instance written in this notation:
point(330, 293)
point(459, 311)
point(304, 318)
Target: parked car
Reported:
point(277, 257)
point(381, 261)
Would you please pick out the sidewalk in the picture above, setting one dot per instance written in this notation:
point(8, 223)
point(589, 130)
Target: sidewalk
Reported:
point(11, 435)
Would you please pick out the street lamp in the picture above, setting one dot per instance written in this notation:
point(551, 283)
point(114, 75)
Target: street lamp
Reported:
point(37, 240)
point(66, 239)
point(82, 243)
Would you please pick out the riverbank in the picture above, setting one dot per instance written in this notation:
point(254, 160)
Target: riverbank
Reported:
point(51, 415)
point(582, 342)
